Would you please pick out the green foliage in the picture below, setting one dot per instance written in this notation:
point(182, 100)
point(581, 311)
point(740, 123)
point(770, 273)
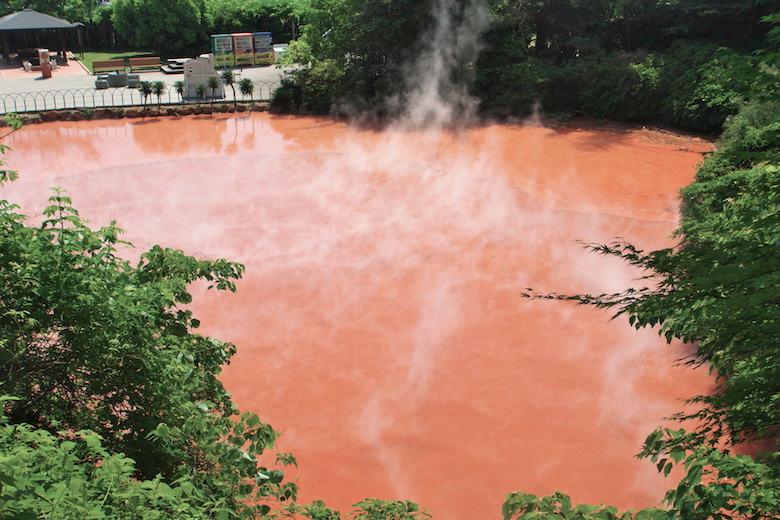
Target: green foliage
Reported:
point(181, 88)
point(167, 26)
point(71, 10)
point(558, 506)
point(697, 87)
point(717, 484)
point(623, 88)
point(72, 475)
point(145, 88)
point(200, 90)
point(298, 52)
point(376, 509)
point(288, 98)
point(281, 17)
point(508, 81)
point(247, 87)
point(315, 89)
point(158, 89)
point(229, 79)
point(317, 510)
point(214, 84)
point(355, 51)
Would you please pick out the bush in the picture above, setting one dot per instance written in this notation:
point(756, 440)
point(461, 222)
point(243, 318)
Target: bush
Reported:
point(697, 89)
point(617, 87)
point(511, 90)
point(315, 89)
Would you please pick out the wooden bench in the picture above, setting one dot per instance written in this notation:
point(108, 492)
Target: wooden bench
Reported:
point(144, 63)
point(108, 65)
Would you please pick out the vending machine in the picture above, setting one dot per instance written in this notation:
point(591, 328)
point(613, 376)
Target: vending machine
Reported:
point(222, 48)
point(264, 52)
point(243, 49)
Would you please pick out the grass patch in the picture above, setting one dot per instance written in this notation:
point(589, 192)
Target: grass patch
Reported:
point(90, 57)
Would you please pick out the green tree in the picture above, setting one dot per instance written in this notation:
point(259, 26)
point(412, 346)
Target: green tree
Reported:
point(180, 87)
point(145, 88)
point(200, 90)
point(357, 51)
point(281, 17)
point(71, 10)
point(229, 80)
point(168, 26)
point(158, 89)
point(214, 84)
point(247, 88)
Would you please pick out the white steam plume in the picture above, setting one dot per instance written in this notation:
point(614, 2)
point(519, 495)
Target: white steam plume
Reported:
point(437, 87)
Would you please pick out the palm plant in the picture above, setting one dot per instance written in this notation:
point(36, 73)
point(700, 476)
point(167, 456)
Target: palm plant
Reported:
point(229, 79)
point(159, 88)
point(180, 87)
point(201, 91)
point(247, 88)
point(145, 88)
point(214, 84)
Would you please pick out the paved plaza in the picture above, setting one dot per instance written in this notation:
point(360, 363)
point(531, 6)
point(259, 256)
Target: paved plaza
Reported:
point(17, 83)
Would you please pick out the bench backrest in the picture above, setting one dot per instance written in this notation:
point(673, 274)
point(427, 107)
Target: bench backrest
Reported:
point(115, 64)
point(136, 62)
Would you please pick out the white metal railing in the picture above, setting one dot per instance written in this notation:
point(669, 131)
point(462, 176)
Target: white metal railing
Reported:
point(117, 97)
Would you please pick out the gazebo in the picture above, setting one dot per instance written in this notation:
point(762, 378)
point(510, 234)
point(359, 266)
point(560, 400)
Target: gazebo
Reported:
point(29, 20)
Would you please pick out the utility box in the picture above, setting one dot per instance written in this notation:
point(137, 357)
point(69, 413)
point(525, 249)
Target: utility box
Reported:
point(197, 72)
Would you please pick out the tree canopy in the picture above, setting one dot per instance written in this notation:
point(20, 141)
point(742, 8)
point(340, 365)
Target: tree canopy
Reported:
point(168, 26)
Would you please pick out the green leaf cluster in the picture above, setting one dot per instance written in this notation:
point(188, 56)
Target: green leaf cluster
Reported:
point(376, 509)
point(71, 475)
point(558, 506)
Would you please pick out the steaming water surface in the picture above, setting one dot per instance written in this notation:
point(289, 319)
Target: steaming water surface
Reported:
point(380, 325)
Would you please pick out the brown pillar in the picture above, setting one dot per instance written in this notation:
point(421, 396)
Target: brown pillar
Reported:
point(6, 50)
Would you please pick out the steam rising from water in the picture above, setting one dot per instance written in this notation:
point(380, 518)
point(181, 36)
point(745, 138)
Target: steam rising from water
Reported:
point(438, 80)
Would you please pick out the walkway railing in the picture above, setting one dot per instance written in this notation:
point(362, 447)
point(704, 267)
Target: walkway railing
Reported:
point(116, 97)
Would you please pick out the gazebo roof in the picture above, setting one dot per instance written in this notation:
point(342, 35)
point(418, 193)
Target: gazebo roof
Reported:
point(29, 19)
